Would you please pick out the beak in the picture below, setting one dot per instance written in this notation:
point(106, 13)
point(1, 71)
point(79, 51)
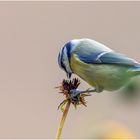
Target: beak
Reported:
point(69, 75)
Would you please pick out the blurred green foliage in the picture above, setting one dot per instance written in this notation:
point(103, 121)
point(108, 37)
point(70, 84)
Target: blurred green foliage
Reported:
point(132, 89)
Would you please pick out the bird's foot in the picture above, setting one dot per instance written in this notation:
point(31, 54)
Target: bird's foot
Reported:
point(76, 93)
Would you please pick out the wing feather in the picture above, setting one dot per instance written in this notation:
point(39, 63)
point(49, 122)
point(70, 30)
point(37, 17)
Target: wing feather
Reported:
point(108, 58)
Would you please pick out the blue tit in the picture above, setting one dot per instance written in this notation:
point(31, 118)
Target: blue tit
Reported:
point(98, 65)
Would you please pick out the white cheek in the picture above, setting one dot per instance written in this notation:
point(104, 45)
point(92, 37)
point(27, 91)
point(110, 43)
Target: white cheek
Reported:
point(66, 63)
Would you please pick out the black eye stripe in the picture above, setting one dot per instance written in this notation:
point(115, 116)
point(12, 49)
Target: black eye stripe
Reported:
point(63, 66)
point(68, 47)
point(60, 57)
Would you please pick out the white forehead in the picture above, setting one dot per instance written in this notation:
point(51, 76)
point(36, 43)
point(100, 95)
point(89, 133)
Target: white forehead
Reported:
point(75, 42)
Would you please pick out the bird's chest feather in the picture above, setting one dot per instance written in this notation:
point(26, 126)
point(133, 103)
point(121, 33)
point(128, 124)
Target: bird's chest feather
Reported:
point(83, 70)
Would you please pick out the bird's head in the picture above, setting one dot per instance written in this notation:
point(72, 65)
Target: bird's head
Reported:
point(64, 57)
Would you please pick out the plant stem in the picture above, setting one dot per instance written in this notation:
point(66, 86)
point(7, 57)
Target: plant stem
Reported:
point(63, 120)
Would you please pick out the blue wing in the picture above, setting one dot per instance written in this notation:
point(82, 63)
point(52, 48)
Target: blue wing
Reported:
point(107, 58)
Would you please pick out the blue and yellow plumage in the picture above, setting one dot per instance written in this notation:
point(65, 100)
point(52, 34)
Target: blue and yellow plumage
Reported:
point(96, 64)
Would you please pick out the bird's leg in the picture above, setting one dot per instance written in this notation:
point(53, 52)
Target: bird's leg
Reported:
point(89, 90)
point(76, 92)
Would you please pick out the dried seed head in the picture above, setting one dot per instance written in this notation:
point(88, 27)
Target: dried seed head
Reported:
point(66, 87)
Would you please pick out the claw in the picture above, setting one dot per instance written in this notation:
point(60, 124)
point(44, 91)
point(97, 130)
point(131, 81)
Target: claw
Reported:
point(76, 92)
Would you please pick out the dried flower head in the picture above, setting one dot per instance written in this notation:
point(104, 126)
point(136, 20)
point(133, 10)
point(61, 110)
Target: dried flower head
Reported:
point(66, 87)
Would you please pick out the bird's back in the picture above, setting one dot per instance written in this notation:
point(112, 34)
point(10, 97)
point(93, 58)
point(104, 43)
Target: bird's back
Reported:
point(101, 67)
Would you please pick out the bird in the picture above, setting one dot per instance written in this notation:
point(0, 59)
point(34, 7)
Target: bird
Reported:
point(101, 67)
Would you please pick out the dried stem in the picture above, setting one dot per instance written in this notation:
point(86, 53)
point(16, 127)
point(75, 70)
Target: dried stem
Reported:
point(65, 88)
point(63, 120)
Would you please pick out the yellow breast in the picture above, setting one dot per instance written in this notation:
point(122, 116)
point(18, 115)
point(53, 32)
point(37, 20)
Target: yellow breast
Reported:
point(83, 70)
